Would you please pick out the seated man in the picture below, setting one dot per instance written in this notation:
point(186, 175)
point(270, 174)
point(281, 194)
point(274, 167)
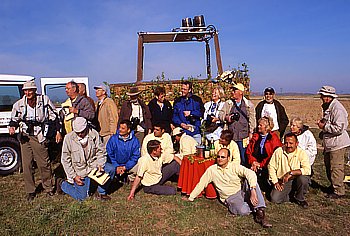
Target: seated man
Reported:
point(160, 135)
point(187, 143)
point(152, 173)
point(227, 178)
point(289, 168)
point(123, 150)
point(226, 141)
point(82, 153)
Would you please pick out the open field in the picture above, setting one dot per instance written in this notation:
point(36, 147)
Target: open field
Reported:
point(307, 107)
point(160, 215)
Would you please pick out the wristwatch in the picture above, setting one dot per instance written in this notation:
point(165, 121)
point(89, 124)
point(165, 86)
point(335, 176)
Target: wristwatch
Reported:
point(291, 173)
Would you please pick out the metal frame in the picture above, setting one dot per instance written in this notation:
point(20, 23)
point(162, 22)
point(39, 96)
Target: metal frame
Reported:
point(182, 34)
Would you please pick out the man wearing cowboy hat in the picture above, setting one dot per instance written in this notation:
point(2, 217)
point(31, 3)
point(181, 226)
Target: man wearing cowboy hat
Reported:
point(239, 114)
point(28, 114)
point(106, 117)
point(138, 113)
point(335, 138)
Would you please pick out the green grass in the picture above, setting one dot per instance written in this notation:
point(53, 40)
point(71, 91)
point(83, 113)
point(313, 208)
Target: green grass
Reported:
point(159, 215)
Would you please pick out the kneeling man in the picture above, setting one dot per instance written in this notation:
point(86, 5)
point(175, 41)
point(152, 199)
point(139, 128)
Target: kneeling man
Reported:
point(153, 171)
point(289, 168)
point(83, 152)
point(227, 178)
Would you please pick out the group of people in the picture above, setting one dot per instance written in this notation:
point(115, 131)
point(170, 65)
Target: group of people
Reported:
point(145, 144)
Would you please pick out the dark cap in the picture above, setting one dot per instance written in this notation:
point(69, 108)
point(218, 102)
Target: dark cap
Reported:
point(269, 90)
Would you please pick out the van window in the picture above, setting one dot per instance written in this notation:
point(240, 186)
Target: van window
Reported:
point(9, 94)
point(56, 93)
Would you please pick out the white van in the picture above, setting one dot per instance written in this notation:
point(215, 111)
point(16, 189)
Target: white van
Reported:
point(10, 92)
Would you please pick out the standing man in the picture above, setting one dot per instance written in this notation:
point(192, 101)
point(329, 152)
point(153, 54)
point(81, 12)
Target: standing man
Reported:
point(28, 114)
point(239, 114)
point(335, 138)
point(240, 199)
point(106, 114)
point(188, 110)
point(82, 153)
point(289, 169)
point(76, 105)
point(153, 173)
point(123, 151)
point(138, 113)
point(274, 109)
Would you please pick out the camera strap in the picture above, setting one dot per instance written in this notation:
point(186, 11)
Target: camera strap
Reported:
point(240, 111)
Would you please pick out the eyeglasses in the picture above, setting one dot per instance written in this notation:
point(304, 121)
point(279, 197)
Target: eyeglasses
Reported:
point(222, 157)
point(268, 93)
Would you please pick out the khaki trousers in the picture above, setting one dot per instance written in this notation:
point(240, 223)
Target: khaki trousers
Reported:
point(334, 162)
point(32, 151)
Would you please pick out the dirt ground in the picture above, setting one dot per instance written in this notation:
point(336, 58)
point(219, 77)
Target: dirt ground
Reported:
point(308, 108)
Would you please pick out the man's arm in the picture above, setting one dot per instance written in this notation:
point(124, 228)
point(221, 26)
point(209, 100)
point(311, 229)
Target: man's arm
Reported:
point(66, 159)
point(112, 148)
point(135, 155)
point(203, 183)
point(134, 187)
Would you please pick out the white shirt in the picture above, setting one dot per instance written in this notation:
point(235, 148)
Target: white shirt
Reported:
point(137, 112)
point(270, 110)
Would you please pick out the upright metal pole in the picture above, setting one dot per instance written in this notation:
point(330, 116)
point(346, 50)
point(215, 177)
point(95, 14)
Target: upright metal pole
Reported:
point(218, 53)
point(140, 51)
point(207, 52)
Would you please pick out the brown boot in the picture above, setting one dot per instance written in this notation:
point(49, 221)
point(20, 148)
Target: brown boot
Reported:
point(261, 218)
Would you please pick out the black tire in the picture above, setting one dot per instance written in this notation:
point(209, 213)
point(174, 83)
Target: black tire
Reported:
point(10, 155)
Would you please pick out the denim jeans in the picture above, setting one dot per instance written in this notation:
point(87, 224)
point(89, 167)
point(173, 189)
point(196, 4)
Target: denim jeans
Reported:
point(81, 192)
point(241, 152)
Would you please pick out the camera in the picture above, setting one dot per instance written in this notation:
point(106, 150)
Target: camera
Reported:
point(135, 121)
point(192, 119)
point(235, 116)
point(208, 121)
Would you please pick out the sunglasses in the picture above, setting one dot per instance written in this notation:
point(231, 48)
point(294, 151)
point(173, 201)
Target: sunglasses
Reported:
point(222, 157)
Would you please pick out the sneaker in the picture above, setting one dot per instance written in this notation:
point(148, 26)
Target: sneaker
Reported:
point(303, 204)
point(102, 197)
point(31, 197)
point(334, 196)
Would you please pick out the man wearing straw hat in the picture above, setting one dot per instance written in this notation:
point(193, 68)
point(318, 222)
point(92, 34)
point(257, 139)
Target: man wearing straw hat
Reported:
point(28, 114)
point(335, 138)
point(138, 113)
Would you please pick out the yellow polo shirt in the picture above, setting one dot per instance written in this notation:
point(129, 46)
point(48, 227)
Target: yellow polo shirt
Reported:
point(150, 169)
point(187, 146)
point(227, 181)
point(165, 142)
point(235, 156)
point(282, 162)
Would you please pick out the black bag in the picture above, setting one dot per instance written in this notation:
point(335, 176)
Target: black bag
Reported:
point(49, 129)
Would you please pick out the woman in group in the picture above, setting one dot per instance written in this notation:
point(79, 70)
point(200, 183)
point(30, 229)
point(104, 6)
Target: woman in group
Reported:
point(306, 139)
point(211, 114)
point(260, 149)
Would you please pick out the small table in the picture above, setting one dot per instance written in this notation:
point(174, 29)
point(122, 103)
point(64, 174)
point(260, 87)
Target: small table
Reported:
point(191, 170)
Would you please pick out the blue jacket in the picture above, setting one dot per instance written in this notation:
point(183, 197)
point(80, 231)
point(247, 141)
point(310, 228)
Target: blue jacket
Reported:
point(123, 153)
point(193, 104)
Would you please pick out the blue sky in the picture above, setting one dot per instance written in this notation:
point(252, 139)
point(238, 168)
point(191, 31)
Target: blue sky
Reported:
point(293, 46)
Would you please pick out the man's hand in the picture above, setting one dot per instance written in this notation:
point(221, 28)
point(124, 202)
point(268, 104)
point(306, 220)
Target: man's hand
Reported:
point(286, 177)
point(187, 113)
point(321, 124)
point(185, 198)
point(253, 197)
point(12, 130)
point(73, 110)
point(131, 196)
point(120, 170)
point(79, 180)
point(214, 119)
point(279, 186)
point(184, 126)
point(58, 137)
point(100, 169)
point(255, 166)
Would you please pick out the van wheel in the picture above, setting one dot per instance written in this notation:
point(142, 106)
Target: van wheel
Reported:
point(10, 155)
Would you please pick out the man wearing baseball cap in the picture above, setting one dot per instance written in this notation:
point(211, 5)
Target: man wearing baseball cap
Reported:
point(335, 139)
point(239, 115)
point(272, 108)
point(82, 153)
point(106, 116)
